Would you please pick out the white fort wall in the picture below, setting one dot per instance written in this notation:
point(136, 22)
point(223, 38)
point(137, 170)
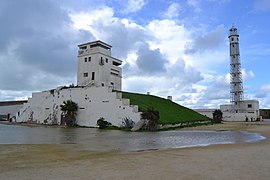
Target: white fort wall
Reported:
point(93, 103)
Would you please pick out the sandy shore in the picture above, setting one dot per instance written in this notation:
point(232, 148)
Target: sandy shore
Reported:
point(232, 161)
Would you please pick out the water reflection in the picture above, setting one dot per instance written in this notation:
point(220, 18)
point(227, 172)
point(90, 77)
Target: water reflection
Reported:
point(102, 140)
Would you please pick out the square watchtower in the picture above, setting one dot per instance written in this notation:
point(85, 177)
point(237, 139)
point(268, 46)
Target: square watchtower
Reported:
point(96, 66)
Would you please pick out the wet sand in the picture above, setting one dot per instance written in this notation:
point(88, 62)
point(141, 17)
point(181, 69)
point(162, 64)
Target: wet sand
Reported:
point(231, 161)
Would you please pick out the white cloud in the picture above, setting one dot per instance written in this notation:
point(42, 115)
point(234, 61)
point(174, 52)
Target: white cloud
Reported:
point(208, 41)
point(6, 95)
point(263, 95)
point(266, 88)
point(35, 43)
point(169, 37)
point(85, 20)
point(173, 11)
point(264, 91)
point(247, 75)
point(195, 4)
point(133, 6)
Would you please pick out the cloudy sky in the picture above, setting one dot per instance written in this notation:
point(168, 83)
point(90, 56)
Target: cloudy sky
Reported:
point(168, 47)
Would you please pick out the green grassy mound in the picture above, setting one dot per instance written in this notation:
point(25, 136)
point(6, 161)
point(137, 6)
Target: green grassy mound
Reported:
point(170, 112)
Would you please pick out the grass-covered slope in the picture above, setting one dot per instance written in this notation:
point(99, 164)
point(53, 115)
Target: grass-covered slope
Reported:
point(170, 112)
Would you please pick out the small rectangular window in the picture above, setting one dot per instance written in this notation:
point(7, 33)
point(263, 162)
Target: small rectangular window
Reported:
point(85, 74)
point(85, 59)
point(89, 59)
point(249, 105)
point(93, 75)
point(106, 60)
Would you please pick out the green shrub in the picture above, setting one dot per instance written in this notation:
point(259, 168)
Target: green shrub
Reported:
point(102, 124)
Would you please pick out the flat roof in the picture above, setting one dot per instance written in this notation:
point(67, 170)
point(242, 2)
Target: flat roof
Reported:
point(95, 43)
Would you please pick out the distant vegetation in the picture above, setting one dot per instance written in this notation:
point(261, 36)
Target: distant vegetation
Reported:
point(169, 112)
point(217, 116)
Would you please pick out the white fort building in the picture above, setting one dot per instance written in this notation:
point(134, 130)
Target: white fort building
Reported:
point(98, 75)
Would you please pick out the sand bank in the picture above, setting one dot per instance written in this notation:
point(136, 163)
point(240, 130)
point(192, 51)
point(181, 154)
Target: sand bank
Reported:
point(232, 161)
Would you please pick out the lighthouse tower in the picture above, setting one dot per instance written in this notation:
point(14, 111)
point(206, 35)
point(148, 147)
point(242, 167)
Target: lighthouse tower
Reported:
point(235, 72)
point(239, 109)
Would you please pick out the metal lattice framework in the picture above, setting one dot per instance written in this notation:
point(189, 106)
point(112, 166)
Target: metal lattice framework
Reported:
point(235, 72)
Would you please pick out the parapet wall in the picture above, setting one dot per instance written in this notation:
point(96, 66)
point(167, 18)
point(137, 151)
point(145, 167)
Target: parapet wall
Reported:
point(93, 103)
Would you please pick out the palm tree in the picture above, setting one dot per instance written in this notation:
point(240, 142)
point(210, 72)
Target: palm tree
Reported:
point(70, 110)
point(152, 117)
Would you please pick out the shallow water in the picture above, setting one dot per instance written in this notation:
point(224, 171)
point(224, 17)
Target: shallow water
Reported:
point(114, 140)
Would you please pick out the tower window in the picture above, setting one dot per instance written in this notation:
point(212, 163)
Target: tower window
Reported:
point(93, 75)
point(85, 59)
point(233, 45)
point(89, 59)
point(85, 74)
point(101, 61)
point(232, 39)
point(249, 105)
point(106, 60)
